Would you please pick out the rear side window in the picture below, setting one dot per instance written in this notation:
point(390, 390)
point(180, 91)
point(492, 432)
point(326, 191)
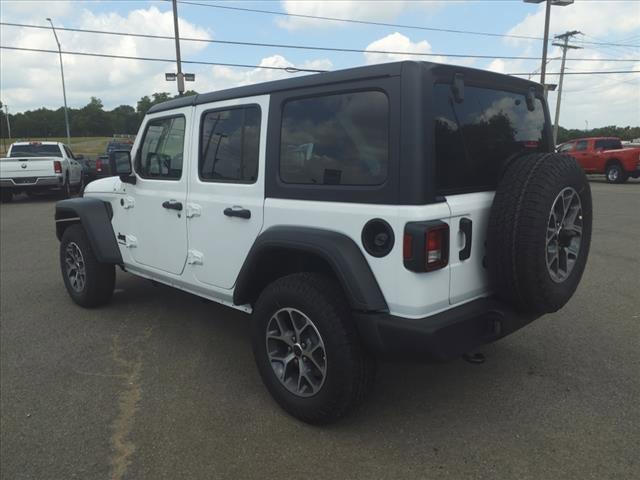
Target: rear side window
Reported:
point(581, 145)
point(230, 145)
point(162, 150)
point(608, 144)
point(338, 139)
point(474, 138)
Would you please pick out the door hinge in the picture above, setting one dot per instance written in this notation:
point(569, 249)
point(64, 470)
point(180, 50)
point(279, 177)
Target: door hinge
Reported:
point(130, 241)
point(194, 257)
point(193, 210)
point(128, 202)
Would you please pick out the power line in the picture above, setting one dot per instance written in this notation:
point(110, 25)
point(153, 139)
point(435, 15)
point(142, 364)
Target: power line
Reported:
point(601, 72)
point(379, 24)
point(305, 47)
point(240, 65)
point(167, 60)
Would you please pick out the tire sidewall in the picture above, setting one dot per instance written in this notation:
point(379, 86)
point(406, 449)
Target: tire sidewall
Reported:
point(337, 377)
point(556, 294)
point(617, 168)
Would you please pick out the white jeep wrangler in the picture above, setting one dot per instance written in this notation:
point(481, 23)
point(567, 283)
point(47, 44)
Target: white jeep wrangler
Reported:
point(405, 210)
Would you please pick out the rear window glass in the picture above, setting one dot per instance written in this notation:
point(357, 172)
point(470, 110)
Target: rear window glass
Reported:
point(474, 138)
point(608, 144)
point(113, 146)
point(339, 139)
point(35, 151)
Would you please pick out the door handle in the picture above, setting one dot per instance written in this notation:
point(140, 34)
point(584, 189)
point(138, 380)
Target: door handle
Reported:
point(466, 227)
point(172, 205)
point(237, 212)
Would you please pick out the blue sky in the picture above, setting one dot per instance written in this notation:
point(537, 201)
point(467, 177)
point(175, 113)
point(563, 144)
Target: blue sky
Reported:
point(598, 100)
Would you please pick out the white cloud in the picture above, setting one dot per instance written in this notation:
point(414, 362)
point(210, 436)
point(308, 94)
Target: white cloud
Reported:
point(218, 78)
point(497, 65)
point(599, 99)
point(17, 9)
point(378, 11)
point(30, 80)
point(396, 42)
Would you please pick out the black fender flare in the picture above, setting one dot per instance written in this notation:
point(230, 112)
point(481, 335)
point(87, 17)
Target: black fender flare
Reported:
point(340, 252)
point(95, 217)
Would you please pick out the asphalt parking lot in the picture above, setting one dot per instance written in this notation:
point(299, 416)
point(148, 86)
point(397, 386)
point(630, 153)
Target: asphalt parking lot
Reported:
point(161, 385)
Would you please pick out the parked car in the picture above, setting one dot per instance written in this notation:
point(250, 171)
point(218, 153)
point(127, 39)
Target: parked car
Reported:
point(39, 166)
point(405, 210)
point(605, 155)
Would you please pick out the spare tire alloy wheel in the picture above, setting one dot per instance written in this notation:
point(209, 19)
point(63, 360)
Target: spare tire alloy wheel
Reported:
point(75, 267)
point(296, 352)
point(564, 234)
point(539, 232)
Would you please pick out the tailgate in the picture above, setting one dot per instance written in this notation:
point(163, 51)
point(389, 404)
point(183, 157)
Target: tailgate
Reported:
point(27, 167)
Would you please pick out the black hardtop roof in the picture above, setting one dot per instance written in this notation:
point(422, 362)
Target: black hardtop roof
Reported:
point(339, 76)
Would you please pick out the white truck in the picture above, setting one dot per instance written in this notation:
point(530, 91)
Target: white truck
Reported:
point(39, 166)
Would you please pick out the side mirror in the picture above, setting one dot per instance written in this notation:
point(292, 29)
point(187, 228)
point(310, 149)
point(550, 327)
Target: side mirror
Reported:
point(120, 165)
point(79, 157)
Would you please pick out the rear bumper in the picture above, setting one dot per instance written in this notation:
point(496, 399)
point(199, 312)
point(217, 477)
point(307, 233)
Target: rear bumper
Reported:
point(441, 337)
point(26, 183)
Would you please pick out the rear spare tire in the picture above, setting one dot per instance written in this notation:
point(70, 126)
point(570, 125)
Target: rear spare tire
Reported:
point(539, 232)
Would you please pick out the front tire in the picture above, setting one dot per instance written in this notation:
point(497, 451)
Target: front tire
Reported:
point(88, 282)
point(307, 349)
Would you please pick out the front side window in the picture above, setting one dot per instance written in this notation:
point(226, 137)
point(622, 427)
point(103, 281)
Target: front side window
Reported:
point(581, 145)
point(338, 139)
point(476, 137)
point(162, 150)
point(565, 148)
point(230, 145)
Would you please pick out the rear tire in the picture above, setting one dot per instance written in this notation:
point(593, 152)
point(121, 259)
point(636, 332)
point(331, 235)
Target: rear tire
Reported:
point(614, 173)
point(88, 282)
point(539, 232)
point(6, 196)
point(340, 375)
point(81, 186)
point(65, 189)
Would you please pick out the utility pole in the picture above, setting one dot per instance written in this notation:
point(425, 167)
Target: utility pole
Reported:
point(180, 75)
point(64, 91)
point(565, 46)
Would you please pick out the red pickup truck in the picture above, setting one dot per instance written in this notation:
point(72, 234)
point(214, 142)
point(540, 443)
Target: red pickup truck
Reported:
point(604, 155)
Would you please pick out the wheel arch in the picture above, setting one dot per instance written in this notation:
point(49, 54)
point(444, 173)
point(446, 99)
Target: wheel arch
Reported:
point(283, 250)
point(612, 161)
point(95, 217)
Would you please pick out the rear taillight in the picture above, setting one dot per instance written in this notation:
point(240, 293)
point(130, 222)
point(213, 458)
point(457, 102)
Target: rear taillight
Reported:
point(98, 165)
point(425, 246)
point(57, 166)
point(437, 247)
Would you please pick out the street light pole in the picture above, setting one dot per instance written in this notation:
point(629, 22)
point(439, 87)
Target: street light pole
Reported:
point(64, 91)
point(6, 115)
point(543, 67)
point(180, 76)
point(547, 17)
